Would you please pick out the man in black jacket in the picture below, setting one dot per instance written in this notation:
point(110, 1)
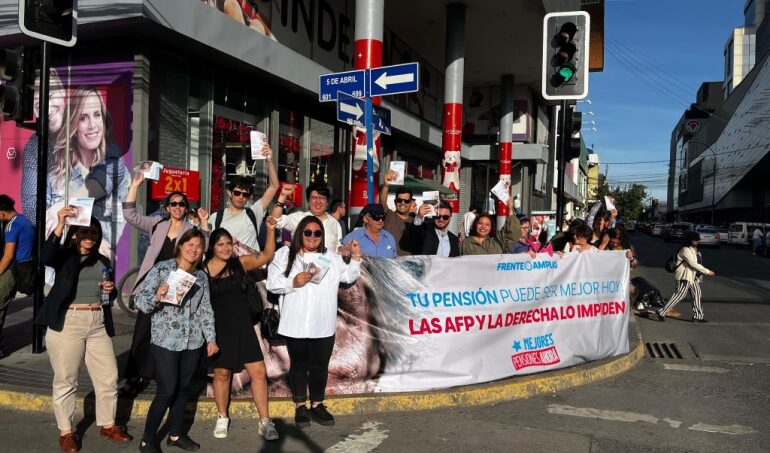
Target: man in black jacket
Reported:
point(429, 235)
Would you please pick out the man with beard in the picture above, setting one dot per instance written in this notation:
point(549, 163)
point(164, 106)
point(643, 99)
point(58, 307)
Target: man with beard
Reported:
point(396, 222)
point(426, 236)
point(374, 240)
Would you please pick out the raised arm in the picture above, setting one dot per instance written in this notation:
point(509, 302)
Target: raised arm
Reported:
point(272, 178)
point(132, 216)
point(511, 231)
point(251, 262)
point(391, 175)
point(277, 212)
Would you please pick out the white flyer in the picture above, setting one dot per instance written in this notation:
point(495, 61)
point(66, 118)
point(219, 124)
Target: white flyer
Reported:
point(399, 168)
point(179, 283)
point(319, 267)
point(609, 202)
point(431, 198)
point(150, 169)
point(501, 191)
point(83, 207)
point(257, 142)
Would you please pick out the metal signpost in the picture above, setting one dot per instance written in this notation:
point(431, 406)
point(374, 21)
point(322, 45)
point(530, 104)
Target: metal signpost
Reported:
point(353, 92)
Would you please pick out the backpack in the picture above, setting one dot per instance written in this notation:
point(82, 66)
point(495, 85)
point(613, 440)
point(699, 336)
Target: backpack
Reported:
point(249, 213)
point(671, 265)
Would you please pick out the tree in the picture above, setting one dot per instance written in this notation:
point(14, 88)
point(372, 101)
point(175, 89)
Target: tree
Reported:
point(629, 201)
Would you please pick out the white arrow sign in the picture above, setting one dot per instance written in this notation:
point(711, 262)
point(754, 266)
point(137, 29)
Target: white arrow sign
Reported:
point(385, 79)
point(352, 110)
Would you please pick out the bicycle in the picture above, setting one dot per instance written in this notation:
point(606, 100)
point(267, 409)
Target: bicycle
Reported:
point(125, 299)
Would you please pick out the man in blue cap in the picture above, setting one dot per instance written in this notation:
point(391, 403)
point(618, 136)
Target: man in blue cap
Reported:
point(374, 240)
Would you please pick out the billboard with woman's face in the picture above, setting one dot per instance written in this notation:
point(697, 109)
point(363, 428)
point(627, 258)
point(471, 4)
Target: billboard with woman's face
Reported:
point(89, 148)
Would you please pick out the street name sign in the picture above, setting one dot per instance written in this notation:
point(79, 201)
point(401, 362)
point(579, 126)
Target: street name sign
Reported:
point(352, 111)
point(350, 82)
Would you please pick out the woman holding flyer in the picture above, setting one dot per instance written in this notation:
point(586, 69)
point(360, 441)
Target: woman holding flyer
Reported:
point(485, 240)
point(163, 238)
point(79, 324)
point(232, 291)
point(307, 277)
point(179, 332)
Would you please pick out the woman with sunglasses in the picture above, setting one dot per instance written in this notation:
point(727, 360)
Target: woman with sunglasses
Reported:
point(484, 239)
point(232, 290)
point(163, 237)
point(180, 332)
point(307, 277)
point(79, 327)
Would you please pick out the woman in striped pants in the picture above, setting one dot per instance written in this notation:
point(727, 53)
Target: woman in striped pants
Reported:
point(688, 274)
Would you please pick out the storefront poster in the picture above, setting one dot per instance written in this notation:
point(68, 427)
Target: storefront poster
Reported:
point(423, 322)
point(90, 120)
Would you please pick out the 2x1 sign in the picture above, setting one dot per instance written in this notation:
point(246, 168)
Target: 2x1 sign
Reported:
point(177, 180)
point(352, 111)
point(350, 82)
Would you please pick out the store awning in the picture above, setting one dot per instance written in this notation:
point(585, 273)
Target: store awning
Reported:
point(419, 185)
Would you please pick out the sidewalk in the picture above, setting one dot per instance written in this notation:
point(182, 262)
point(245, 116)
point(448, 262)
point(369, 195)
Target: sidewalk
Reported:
point(25, 379)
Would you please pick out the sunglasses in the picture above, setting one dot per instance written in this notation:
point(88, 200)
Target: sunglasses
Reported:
point(443, 217)
point(377, 217)
point(403, 201)
point(88, 231)
point(241, 193)
point(181, 204)
point(314, 233)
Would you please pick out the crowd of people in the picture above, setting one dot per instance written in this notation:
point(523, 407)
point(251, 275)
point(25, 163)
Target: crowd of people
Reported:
point(226, 257)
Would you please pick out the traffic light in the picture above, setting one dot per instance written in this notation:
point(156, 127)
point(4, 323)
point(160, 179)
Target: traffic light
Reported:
point(54, 21)
point(17, 69)
point(574, 122)
point(565, 55)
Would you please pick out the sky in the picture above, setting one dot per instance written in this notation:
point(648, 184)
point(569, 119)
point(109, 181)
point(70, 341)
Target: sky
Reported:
point(672, 46)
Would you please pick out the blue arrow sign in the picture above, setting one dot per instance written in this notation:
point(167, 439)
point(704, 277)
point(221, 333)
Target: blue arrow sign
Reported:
point(402, 78)
point(352, 111)
point(351, 82)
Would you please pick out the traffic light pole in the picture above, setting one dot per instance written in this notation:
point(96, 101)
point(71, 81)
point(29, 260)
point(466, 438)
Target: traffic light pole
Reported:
point(561, 144)
point(42, 174)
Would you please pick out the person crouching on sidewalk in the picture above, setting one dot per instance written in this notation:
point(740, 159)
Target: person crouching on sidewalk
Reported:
point(79, 328)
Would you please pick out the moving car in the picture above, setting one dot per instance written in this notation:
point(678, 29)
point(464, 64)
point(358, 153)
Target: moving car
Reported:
point(741, 232)
point(709, 236)
point(657, 229)
point(677, 231)
point(630, 226)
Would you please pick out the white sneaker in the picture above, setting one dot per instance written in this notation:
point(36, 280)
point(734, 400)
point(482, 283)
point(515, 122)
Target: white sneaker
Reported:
point(267, 429)
point(220, 429)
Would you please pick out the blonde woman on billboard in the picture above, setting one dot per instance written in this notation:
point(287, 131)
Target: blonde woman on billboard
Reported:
point(57, 101)
point(95, 165)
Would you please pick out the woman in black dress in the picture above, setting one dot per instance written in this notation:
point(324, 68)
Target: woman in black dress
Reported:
point(231, 289)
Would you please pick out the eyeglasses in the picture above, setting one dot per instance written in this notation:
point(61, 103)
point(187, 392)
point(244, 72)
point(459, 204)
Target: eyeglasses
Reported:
point(377, 217)
point(241, 193)
point(443, 217)
point(181, 204)
point(403, 201)
point(317, 198)
point(314, 233)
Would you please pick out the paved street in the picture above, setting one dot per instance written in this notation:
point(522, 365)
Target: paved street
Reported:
point(714, 399)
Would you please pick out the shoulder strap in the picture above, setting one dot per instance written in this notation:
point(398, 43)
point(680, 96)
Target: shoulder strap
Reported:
point(155, 227)
point(252, 217)
point(220, 214)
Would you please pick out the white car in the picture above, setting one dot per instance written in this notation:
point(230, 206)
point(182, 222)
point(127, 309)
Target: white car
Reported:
point(709, 236)
point(657, 229)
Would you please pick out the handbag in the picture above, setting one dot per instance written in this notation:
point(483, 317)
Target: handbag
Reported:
point(254, 298)
point(268, 323)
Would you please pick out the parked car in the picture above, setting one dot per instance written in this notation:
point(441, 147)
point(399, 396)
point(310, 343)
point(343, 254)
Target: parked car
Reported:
point(676, 232)
point(741, 232)
point(657, 229)
point(630, 226)
point(723, 234)
point(709, 236)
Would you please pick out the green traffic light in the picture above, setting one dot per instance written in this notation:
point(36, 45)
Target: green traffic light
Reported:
point(567, 72)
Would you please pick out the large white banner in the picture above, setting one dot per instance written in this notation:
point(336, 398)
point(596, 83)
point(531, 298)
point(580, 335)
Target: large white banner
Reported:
point(422, 322)
point(475, 319)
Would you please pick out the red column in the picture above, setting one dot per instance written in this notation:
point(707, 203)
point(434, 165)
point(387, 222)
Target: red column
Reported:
point(451, 143)
point(368, 48)
point(506, 145)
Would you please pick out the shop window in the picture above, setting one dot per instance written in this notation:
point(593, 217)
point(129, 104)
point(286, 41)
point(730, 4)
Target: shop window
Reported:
point(290, 128)
point(231, 157)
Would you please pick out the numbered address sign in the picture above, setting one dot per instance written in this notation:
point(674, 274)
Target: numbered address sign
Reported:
point(177, 180)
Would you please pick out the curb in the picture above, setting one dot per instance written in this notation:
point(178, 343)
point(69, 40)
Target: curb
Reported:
point(475, 395)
